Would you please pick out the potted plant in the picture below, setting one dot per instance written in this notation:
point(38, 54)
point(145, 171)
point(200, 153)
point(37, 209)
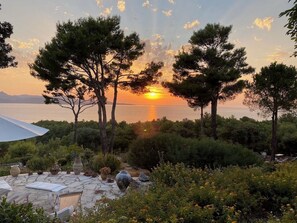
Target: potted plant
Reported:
point(54, 170)
point(104, 171)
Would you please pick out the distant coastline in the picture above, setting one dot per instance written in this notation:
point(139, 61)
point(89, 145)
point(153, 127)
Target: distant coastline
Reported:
point(28, 99)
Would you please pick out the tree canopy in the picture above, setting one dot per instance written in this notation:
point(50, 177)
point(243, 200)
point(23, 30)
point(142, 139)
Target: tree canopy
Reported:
point(274, 89)
point(6, 60)
point(292, 23)
point(216, 61)
point(96, 53)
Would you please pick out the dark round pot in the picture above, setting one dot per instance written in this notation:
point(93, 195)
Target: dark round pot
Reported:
point(123, 179)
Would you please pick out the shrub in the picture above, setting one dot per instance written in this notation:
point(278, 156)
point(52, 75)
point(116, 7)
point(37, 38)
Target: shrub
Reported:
point(107, 160)
point(21, 151)
point(19, 213)
point(38, 164)
point(181, 194)
point(148, 152)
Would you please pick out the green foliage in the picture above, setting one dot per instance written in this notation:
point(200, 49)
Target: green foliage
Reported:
point(292, 23)
point(124, 135)
point(148, 152)
point(181, 194)
point(21, 151)
point(19, 213)
point(107, 160)
point(6, 60)
point(38, 163)
point(249, 133)
point(4, 171)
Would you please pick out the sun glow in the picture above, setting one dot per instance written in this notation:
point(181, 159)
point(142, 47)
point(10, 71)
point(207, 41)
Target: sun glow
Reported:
point(153, 93)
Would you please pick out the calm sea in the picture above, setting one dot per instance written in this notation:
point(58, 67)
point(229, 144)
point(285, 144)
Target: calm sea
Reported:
point(128, 113)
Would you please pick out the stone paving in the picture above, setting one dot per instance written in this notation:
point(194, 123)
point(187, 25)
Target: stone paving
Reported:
point(93, 189)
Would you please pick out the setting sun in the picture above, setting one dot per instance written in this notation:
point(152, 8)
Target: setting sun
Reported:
point(153, 93)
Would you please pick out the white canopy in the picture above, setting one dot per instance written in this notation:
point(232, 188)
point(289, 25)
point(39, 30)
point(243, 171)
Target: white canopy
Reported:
point(12, 129)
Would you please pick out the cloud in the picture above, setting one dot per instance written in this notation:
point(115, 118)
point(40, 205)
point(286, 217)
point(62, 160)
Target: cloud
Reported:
point(171, 1)
point(30, 44)
point(191, 25)
point(264, 23)
point(237, 42)
point(99, 3)
point(158, 37)
point(167, 13)
point(171, 52)
point(146, 4)
point(121, 5)
point(155, 9)
point(257, 39)
point(106, 12)
point(278, 55)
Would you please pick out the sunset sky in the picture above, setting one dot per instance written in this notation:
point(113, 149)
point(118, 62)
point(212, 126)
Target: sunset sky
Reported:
point(164, 25)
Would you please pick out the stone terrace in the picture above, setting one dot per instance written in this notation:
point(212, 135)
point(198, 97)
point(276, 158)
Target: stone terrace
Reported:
point(93, 189)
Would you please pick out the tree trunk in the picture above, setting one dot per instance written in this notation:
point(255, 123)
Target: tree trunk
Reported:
point(201, 121)
point(75, 128)
point(113, 118)
point(214, 105)
point(102, 126)
point(273, 136)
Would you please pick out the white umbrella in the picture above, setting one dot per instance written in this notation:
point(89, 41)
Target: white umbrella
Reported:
point(12, 129)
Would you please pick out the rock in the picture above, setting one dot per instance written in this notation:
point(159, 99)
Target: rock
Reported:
point(143, 178)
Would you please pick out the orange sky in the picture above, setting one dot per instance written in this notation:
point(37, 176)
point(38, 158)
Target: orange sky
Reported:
point(165, 27)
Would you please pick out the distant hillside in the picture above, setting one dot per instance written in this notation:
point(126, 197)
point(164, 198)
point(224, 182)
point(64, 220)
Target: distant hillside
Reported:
point(32, 99)
point(29, 99)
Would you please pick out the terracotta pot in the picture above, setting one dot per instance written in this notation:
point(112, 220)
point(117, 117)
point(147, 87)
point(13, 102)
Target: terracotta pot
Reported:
point(103, 176)
point(15, 170)
point(55, 169)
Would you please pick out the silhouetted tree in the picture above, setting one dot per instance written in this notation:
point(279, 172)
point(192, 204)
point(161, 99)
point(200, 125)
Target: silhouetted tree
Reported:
point(98, 54)
point(6, 60)
point(292, 23)
point(194, 90)
point(215, 59)
point(74, 96)
point(274, 89)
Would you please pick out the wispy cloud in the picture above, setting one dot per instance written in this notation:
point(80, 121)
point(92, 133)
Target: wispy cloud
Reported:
point(155, 9)
point(106, 12)
point(121, 5)
point(171, 52)
point(171, 1)
point(191, 25)
point(167, 13)
point(237, 42)
point(99, 3)
point(257, 39)
point(278, 55)
point(265, 23)
point(30, 44)
point(146, 4)
point(158, 37)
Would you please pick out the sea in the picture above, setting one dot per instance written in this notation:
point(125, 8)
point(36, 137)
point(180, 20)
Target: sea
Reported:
point(129, 113)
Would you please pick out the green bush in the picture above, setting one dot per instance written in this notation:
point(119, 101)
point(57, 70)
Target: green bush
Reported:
point(20, 213)
point(107, 160)
point(181, 194)
point(21, 151)
point(148, 152)
point(38, 163)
